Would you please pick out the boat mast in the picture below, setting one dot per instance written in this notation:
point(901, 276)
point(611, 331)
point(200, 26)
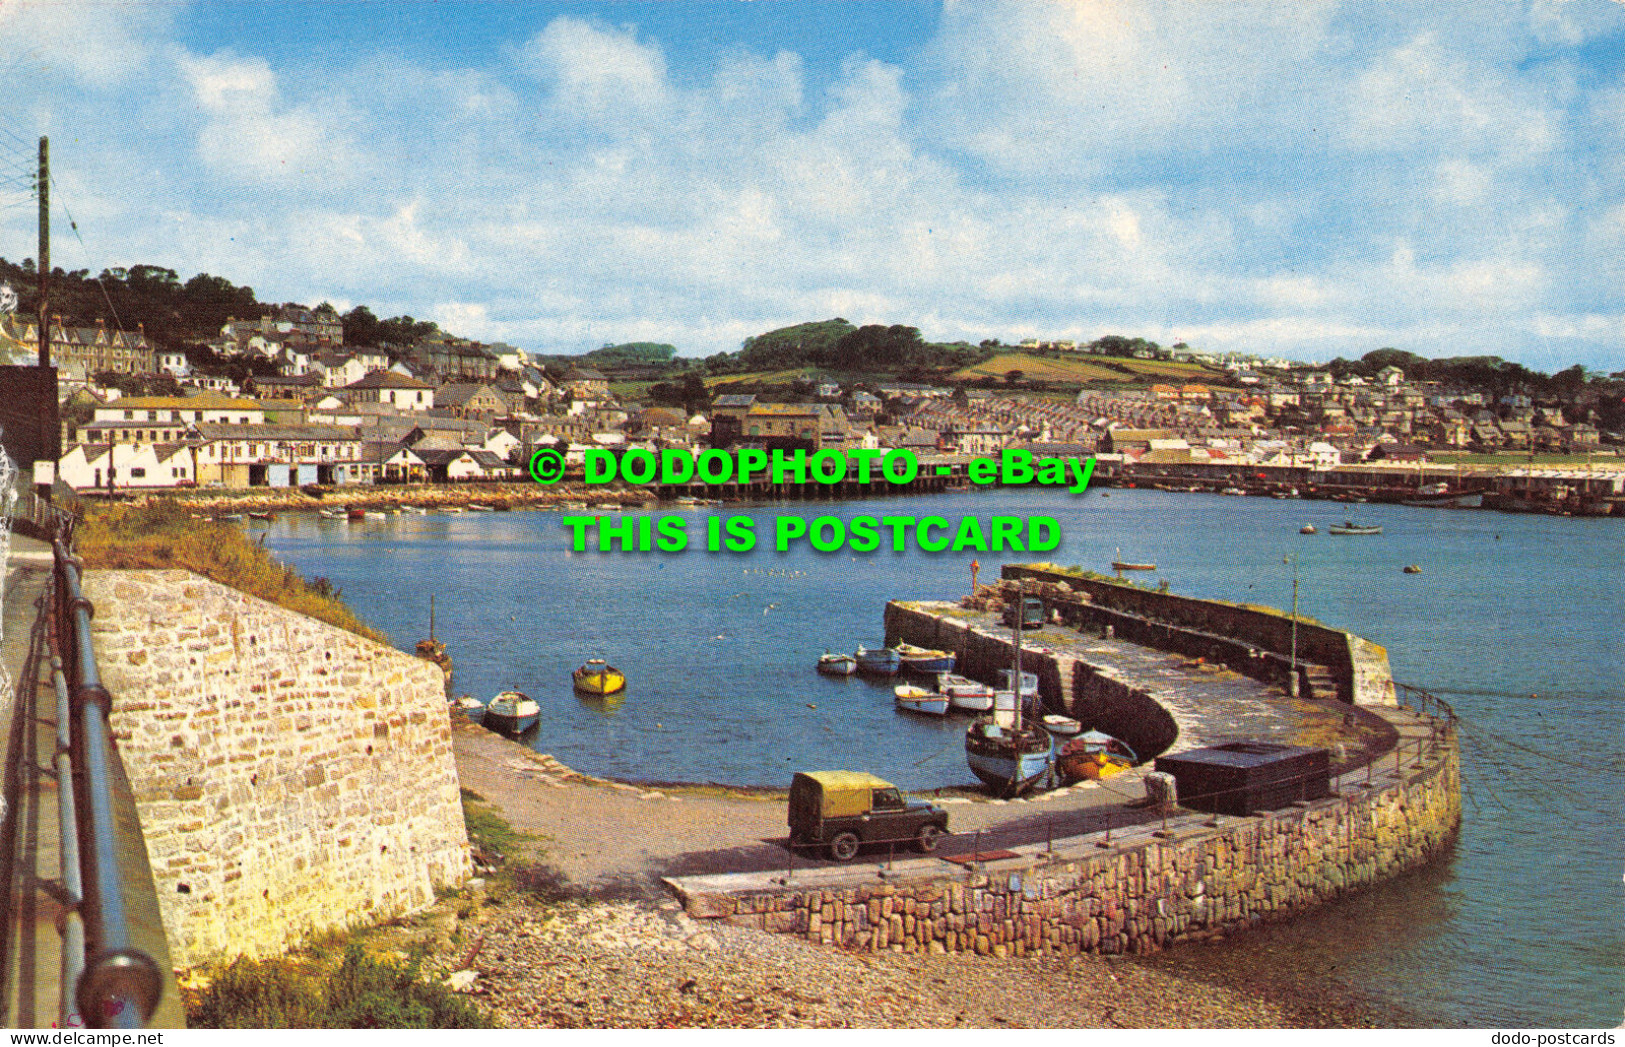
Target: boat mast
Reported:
point(1021, 612)
point(431, 617)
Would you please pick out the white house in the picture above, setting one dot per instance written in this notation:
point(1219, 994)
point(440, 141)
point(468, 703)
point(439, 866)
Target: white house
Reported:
point(133, 465)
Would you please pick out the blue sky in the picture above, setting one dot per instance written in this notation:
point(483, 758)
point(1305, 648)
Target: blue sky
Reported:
point(1304, 178)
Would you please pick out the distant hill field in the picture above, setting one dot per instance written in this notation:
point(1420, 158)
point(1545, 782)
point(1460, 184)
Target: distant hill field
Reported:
point(762, 377)
point(1081, 371)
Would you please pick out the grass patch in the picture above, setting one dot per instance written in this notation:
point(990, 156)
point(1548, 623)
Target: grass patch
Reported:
point(360, 992)
point(489, 832)
point(162, 534)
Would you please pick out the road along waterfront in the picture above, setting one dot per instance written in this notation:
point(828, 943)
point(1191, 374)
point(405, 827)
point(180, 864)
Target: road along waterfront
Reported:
point(1522, 926)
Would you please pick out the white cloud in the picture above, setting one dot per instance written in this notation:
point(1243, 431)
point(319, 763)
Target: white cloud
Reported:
point(100, 46)
point(594, 71)
point(1421, 98)
point(249, 135)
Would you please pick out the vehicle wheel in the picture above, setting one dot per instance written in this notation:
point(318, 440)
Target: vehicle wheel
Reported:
point(929, 837)
point(844, 847)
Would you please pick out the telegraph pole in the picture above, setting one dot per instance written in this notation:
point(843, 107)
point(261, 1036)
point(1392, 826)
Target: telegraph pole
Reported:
point(44, 249)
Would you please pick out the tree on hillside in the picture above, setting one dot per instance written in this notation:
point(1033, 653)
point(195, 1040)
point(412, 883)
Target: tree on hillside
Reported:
point(876, 348)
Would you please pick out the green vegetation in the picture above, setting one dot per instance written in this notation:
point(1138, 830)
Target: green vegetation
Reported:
point(632, 353)
point(488, 832)
point(163, 534)
point(310, 992)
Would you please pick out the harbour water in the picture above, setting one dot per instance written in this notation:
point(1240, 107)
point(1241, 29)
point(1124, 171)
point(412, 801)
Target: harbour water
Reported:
point(1514, 619)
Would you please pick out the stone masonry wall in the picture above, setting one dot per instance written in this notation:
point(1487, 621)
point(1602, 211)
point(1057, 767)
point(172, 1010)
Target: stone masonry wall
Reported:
point(1142, 891)
point(290, 776)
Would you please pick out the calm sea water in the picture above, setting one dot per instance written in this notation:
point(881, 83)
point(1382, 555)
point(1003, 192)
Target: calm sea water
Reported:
point(1515, 619)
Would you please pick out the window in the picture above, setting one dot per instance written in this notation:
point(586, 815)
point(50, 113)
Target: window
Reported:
point(137, 472)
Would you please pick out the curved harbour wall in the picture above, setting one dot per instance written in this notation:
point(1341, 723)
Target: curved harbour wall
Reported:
point(1186, 877)
point(1137, 891)
point(290, 776)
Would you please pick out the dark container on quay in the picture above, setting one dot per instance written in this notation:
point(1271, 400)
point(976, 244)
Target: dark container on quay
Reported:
point(1243, 778)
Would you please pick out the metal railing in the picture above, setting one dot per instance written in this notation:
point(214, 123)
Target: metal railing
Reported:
point(113, 984)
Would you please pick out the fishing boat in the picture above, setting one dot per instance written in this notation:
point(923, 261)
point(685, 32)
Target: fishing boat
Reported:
point(598, 677)
point(433, 650)
point(1061, 726)
point(355, 514)
point(919, 700)
point(1121, 564)
point(1008, 753)
point(469, 706)
point(881, 661)
point(837, 664)
point(512, 713)
point(1308, 529)
point(1349, 527)
point(924, 660)
point(475, 507)
point(331, 514)
point(1094, 755)
point(1029, 683)
point(964, 693)
point(267, 515)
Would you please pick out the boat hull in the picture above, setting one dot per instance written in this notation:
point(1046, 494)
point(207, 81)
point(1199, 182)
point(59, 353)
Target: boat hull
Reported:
point(884, 662)
point(1008, 762)
point(608, 680)
point(841, 665)
point(505, 723)
point(930, 705)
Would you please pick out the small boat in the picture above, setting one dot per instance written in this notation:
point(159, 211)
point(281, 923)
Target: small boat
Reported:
point(331, 514)
point(965, 693)
point(355, 514)
point(374, 514)
point(1061, 726)
point(1010, 760)
point(837, 664)
point(227, 518)
point(267, 515)
point(924, 660)
point(1412, 569)
point(1308, 529)
point(414, 510)
point(1121, 564)
point(1094, 755)
point(919, 700)
point(881, 661)
point(598, 677)
point(475, 507)
point(469, 706)
point(1233, 491)
point(512, 713)
point(1029, 683)
point(1349, 527)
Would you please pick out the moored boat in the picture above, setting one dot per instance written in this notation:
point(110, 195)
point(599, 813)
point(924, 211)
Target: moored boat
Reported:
point(331, 514)
point(882, 661)
point(512, 712)
point(1349, 527)
point(924, 660)
point(1125, 565)
point(1308, 529)
point(965, 693)
point(355, 514)
point(598, 677)
point(433, 650)
point(1006, 750)
point(1094, 755)
point(469, 706)
point(837, 664)
point(1061, 726)
point(919, 700)
point(1029, 683)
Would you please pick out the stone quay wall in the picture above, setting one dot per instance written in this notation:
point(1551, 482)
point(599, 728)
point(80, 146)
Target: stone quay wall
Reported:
point(1227, 632)
point(290, 777)
point(1143, 890)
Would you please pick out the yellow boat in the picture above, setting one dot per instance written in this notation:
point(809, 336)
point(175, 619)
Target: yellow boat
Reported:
point(599, 677)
